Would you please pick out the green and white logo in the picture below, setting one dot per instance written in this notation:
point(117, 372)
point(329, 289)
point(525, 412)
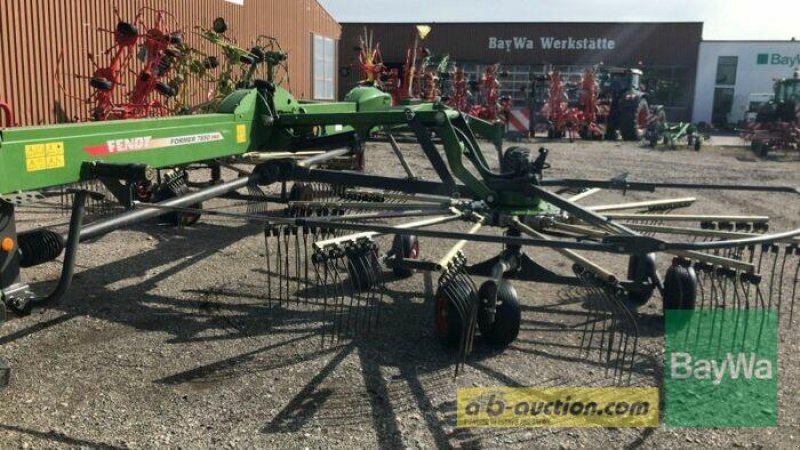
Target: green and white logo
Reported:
point(721, 368)
point(778, 59)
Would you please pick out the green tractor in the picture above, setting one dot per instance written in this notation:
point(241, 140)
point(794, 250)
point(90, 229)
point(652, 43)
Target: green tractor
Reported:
point(777, 124)
point(785, 106)
point(629, 111)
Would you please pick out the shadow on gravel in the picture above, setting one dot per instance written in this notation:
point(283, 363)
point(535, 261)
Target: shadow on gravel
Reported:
point(56, 437)
point(405, 371)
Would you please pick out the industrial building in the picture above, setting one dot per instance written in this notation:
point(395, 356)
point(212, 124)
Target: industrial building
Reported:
point(44, 44)
point(667, 52)
point(734, 77)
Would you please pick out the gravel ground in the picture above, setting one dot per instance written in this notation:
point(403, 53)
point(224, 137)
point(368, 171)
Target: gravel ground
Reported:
point(166, 339)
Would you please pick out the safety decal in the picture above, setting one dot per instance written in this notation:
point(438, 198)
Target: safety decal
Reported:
point(44, 156)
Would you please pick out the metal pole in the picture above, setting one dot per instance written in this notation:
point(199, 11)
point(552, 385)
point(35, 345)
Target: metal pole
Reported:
point(131, 217)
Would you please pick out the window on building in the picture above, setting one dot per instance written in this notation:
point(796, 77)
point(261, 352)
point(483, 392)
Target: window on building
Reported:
point(324, 66)
point(726, 70)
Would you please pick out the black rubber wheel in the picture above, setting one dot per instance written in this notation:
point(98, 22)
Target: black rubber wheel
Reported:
point(258, 54)
point(219, 26)
point(247, 60)
point(165, 89)
point(447, 321)
point(633, 121)
point(641, 269)
point(101, 84)
point(763, 149)
point(516, 160)
point(680, 287)
point(508, 316)
point(698, 142)
point(127, 30)
point(406, 247)
point(211, 62)
point(177, 218)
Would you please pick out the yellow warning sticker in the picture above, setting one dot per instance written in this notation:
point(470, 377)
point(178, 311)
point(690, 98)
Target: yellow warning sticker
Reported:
point(44, 156)
point(241, 134)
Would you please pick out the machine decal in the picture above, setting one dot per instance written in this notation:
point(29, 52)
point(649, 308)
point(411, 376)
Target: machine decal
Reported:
point(139, 144)
point(44, 156)
point(241, 134)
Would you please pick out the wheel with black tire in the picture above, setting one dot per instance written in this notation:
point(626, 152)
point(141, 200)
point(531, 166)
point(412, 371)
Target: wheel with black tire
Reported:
point(101, 83)
point(165, 89)
point(177, 218)
point(247, 60)
point(763, 149)
point(698, 143)
point(405, 247)
point(448, 322)
point(176, 38)
point(211, 62)
point(504, 329)
point(680, 287)
point(633, 121)
point(258, 54)
point(641, 270)
point(126, 31)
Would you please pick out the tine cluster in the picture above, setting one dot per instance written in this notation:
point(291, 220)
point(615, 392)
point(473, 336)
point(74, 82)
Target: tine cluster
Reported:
point(772, 283)
point(257, 200)
point(611, 327)
point(100, 204)
point(349, 281)
point(461, 296)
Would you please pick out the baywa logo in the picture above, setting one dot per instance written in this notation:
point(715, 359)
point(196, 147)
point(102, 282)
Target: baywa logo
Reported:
point(721, 368)
point(746, 366)
point(777, 59)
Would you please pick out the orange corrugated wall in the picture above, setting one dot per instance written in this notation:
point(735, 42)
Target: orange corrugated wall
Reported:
point(34, 32)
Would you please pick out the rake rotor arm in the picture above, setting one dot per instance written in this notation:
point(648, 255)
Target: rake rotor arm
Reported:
point(622, 184)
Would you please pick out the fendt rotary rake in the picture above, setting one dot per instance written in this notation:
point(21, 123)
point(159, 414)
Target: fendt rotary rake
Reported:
point(322, 244)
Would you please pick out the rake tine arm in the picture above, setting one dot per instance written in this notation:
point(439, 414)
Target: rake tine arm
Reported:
point(651, 187)
point(569, 254)
point(687, 217)
point(584, 194)
point(406, 226)
point(705, 257)
point(665, 203)
point(456, 249)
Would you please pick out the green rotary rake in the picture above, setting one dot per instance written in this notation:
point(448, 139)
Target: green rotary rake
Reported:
point(334, 239)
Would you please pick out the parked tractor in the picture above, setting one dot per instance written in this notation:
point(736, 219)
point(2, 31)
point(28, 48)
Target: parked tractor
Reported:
point(629, 110)
point(777, 124)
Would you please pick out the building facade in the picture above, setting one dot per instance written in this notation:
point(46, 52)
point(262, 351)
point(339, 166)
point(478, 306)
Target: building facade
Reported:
point(733, 77)
point(44, 46)
point(667, 52)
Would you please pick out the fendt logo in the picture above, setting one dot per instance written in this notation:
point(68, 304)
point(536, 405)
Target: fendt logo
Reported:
point(777, 59)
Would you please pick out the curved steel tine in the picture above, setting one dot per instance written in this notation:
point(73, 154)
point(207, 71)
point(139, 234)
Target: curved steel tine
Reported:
point(794, 285)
